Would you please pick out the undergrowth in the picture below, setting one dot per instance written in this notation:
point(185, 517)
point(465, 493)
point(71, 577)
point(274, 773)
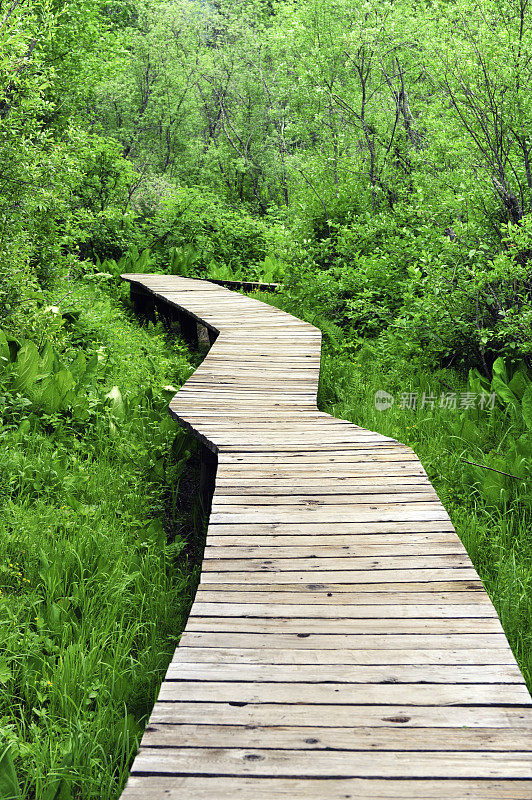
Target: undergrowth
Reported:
point(95, 580)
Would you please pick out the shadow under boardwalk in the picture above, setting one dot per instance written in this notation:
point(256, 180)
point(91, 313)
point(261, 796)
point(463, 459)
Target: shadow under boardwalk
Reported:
point(341, 644)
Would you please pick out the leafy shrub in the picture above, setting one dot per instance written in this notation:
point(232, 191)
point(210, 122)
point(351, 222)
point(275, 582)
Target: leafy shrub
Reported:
point(42, 380)
point(101, 197)
point(199, 218)
point(508, 473)
point(465, 309)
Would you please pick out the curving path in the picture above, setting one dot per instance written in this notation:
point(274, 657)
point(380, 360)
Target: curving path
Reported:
point(341, 645)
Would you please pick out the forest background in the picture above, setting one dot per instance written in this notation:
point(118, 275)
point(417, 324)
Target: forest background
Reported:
point(374, 159)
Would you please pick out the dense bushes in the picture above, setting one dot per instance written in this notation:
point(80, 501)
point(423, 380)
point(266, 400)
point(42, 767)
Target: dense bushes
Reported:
point(215, 232)
point(421, 291)
point(395, 199)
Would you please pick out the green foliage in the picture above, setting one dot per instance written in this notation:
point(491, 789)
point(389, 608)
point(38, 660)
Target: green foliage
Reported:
point(64, 189)
point(183, 260)
point(511, 388)
point(271, 270)
point(191, 227)
point(42, 382)
point(101, 199)
point(366, 131)
point(9, 787)
point(94, 580)
point(132, 262)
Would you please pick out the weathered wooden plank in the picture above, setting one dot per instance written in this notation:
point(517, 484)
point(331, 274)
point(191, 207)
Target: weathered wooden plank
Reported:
point(276, 610)
point(343, 694)
point(317, 563)
point(285, 737)
point(248, 761)
point(287, 546)
point(398, 717)
point(316, 641)
point(313, 673)
point(359, 472)
point(322, 487)
point(360, 451)
point(383, 587)
point(301, 499)
point(366, 626)
point(376, 656)
point(412, 512)
point(397, 576)
point(361, 603)
point(271, 549)
point(243, 788)
point(325, 528)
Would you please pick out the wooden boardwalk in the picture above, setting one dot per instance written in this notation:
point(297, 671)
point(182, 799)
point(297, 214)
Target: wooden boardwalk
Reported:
point(341, 644)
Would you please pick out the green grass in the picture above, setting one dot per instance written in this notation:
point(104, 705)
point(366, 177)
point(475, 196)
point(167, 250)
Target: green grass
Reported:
point(95, 585)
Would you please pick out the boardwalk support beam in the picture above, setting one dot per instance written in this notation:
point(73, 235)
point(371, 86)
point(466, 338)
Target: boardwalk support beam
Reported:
point(143, 303)
point(208, 469)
